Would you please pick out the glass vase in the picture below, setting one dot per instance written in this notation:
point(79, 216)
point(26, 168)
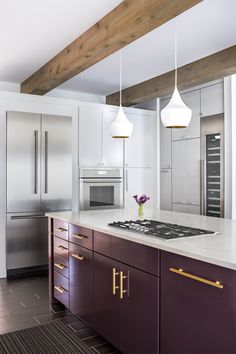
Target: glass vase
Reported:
point(140, 210)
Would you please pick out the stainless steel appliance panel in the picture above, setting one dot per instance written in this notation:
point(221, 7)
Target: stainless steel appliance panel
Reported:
point(27, 240)
point(23, 156)
point(56, 168)
point(165, 190)
point(101, 189)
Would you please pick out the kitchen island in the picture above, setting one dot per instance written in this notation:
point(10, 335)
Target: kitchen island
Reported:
point(142, 293)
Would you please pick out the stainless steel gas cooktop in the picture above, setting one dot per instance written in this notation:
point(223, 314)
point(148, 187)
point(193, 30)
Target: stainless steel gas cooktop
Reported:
point(160, 229)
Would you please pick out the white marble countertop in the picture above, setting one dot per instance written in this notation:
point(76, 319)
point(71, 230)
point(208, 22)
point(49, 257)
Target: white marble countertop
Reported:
point(219, 249)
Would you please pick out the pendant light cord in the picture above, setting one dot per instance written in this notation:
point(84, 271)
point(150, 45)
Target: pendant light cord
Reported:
point(120, 78)
point(176, 53)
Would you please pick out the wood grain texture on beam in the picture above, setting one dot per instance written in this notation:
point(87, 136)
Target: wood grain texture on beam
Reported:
point(124, 24)
point(210, 68)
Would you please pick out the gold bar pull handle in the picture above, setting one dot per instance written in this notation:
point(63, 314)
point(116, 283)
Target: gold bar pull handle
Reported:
point(59, 266)
point(60, 289)
point(79, 237)
point(122, 291)
point(180, 271)
point(62, 248)
point(114, 286)
point(77, 256)
point(61, 229)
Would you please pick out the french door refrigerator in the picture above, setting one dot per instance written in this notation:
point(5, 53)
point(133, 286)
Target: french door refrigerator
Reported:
point(39, 179)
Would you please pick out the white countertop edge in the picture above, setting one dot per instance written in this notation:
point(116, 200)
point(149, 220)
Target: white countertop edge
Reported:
point(160, 244)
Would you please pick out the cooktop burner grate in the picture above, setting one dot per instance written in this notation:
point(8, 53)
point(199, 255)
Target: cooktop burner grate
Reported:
point(160, 229)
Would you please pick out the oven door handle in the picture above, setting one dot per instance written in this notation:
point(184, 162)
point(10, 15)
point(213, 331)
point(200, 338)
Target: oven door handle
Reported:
point(103, 182)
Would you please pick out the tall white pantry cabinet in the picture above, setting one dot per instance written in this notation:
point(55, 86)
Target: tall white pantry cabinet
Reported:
point(135, 155)
point(180, 151)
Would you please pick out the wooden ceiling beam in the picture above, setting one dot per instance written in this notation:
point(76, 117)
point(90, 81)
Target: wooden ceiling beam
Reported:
point(124, 24)
point(212, 67)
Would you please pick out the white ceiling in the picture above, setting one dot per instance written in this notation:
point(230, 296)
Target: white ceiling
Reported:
point(32, 32)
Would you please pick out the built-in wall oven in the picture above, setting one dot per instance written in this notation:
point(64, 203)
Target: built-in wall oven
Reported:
point(101, 188)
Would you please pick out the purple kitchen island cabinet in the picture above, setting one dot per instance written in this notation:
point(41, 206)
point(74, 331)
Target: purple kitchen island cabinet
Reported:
point(197, 317)
point(141, 299)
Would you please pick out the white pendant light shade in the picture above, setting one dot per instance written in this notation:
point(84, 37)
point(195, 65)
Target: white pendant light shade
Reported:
point(176, 114)
point(121, 127)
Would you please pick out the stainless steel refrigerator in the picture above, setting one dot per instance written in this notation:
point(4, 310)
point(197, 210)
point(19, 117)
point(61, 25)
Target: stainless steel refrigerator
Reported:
point(212, 165)
point(39, 179)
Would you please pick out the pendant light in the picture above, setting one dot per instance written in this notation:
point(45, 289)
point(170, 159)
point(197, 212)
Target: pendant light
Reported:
point(121, 127)
point(176, 114)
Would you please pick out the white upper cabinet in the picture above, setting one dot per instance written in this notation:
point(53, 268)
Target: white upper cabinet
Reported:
point(186, 172)
point(165, 141)
point(212, 100)
point(90, 137)
point(138, 181)
point(192, 100)
point(139, 148)
point(112, 148)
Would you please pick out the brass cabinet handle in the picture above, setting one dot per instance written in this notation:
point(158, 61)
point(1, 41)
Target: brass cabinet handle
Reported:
point(114, 286)
point(61, 229)
point(180, 271)
point(60, 289)
point(62, 248)
point(77, 256)
point(80, 237)
point(59, 266)
point(122, 291)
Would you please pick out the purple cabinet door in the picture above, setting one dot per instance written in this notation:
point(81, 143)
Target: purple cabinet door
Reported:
point(197, 317)
point(139, 312)
point(81, 282)
point(106, 304)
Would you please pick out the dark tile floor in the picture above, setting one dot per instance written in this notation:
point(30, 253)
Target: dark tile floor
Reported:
point(24, 303)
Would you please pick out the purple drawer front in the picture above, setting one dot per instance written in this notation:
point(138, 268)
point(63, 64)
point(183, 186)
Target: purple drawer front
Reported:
point(61, 265)
point(81, 236)
point(61, 247)
point(61, 288)
point(60, 229)
point(136, 255)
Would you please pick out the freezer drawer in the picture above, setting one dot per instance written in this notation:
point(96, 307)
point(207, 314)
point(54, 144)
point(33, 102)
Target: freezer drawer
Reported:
point(27, 240)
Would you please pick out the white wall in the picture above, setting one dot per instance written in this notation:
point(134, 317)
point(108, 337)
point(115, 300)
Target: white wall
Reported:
point(73, 95)
point(76, 95)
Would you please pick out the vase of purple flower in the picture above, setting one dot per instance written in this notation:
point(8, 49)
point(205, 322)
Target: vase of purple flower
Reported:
point(141, 201)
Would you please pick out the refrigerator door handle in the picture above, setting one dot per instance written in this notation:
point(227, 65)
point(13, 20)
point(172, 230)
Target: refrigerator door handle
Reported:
point(203, 187)
point(36, 141)
point(46, 164)
point(26, 217)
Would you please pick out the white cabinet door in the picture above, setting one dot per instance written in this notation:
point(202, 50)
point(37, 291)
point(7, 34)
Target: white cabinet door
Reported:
point(186, 172)
point(190, 209)
point(165, 141)
point(90, 137)
point(192, 100)
point(138, 181)
point(165, 189)
point(112, 148)
point(139, 148)
point(212, 100)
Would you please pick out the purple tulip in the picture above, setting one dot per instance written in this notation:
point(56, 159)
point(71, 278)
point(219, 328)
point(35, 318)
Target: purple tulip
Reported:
point(142, 199)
